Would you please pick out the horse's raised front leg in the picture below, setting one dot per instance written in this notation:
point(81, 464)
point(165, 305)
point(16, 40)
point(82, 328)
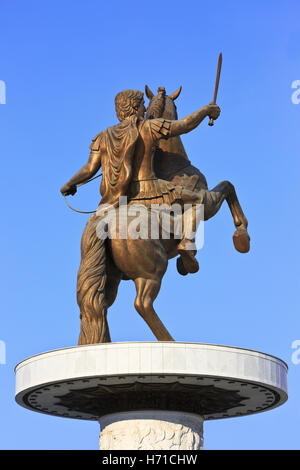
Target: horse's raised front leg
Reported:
point(216, 197)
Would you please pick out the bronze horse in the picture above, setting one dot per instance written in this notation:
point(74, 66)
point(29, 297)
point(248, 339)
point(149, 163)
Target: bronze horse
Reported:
point(104, 263)
point(171, 163)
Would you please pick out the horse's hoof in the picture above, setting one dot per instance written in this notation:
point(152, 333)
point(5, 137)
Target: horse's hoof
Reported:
point(180, 267)
point(241, 240)
point(189, 261)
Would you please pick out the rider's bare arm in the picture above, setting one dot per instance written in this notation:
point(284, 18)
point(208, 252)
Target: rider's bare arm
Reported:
point(163, 128)
point(193, 120)
point(85, 173)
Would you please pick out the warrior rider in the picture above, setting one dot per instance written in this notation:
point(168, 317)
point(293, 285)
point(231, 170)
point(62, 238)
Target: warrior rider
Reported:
point(125, 152)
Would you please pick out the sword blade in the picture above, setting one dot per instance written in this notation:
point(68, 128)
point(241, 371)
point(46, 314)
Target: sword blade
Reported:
point(217, 78)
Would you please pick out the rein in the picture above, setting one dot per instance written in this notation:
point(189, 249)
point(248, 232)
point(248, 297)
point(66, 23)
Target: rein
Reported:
point(81, 184)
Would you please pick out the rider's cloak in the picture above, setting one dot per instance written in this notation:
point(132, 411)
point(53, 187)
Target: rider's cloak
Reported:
point(116, 146)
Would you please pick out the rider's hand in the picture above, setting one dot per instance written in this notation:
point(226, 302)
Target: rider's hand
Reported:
point(68, 189)
point(213, 111)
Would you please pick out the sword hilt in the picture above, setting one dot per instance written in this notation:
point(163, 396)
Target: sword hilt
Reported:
point(211, 121)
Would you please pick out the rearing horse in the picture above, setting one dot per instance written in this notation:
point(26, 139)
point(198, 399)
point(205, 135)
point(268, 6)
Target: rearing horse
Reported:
point(171, 163)
point(104, 263)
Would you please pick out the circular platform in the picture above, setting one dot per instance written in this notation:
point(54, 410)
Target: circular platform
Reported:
point(88, 382)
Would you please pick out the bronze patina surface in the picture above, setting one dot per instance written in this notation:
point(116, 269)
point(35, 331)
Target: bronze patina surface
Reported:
point(143, 158)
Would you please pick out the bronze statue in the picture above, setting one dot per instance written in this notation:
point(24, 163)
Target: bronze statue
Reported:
point(144, 160)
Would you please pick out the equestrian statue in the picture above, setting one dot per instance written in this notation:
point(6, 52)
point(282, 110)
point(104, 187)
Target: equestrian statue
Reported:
point(143, 160)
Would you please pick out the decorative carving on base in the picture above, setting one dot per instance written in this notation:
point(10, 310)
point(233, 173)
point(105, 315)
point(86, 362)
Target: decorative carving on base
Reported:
point(174, 396)
point(151, 430)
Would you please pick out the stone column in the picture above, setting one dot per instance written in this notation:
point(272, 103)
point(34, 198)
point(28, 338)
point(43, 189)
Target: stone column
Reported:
point(151, 430)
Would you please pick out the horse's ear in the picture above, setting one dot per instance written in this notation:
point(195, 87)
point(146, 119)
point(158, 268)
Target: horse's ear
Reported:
point(176, 93)
point(149, 93)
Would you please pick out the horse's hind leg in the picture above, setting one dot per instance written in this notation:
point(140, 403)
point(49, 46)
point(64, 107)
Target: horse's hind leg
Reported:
point(222, 191)
point(147, 290)
point(114, 276)
point(145, 262)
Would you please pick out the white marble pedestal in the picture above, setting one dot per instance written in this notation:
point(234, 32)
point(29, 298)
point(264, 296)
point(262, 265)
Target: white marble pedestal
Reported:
point(151, 429)
point(151, 395)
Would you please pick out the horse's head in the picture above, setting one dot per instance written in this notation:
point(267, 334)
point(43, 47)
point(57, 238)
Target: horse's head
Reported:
point(162, 105)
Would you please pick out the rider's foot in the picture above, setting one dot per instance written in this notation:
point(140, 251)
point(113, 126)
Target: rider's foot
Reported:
point(241, 240)
point(188, 260)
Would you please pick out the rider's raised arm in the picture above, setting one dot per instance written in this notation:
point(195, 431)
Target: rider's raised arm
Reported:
point(193, 120)
point(188, 123)
point(88, 170)
point(163, 128)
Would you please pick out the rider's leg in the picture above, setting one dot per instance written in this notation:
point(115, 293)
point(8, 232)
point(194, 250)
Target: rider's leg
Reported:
point(187, 263)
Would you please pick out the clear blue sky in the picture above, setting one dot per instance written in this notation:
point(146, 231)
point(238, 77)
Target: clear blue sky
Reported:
point(63, 62)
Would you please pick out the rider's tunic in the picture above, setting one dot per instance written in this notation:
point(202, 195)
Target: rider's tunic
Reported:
point(154, 191)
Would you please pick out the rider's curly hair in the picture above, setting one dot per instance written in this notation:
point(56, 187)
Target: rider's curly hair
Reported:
point(127, 103)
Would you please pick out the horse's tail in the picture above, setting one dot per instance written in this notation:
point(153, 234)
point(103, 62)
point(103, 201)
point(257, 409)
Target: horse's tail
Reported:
point(91, 283)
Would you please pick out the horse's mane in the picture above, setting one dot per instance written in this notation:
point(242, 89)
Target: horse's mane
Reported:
point(161, 106)
point(157, 105)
